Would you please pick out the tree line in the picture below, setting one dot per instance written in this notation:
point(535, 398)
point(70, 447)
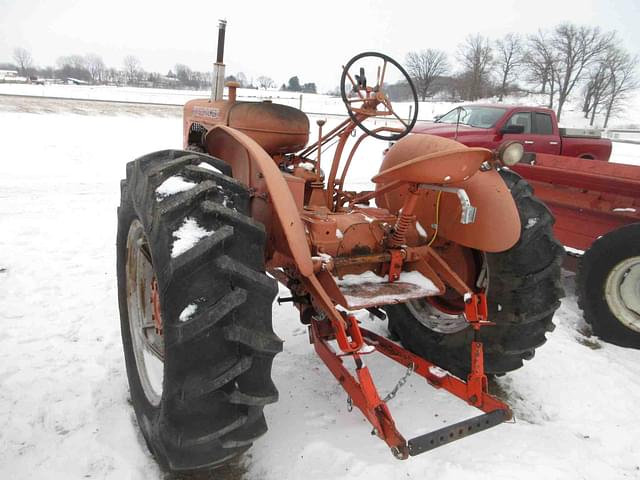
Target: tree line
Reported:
point(562, 62)
point(91, 69)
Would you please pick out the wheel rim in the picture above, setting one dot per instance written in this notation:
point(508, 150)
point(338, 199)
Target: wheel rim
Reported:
point(429, 315)
point(435, 320)
point(622, 292)
point(145, 326)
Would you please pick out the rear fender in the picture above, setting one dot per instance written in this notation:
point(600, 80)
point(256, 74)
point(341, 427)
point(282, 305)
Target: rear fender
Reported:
point(497, 224)
point(272, 204)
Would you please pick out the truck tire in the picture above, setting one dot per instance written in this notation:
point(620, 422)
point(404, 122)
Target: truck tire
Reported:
point(523, 294)
point(608, 286)
point(200, 374)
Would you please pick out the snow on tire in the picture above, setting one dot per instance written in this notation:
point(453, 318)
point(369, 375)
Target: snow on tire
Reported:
point(523, 294)
point(194, 237)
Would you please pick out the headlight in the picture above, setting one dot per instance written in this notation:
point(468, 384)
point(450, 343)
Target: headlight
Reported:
point(511, 153)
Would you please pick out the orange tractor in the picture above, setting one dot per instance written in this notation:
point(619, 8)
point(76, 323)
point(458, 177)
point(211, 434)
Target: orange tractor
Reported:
point(451, 247)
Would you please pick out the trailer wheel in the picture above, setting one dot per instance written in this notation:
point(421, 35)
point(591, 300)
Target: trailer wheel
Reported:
point(608, 286)
point(523, 292)
point(195, 309)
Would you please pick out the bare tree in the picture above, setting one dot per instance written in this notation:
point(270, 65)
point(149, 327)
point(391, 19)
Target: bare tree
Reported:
point(476, 56)
point(132, 68)
point(183, 73)
point(424, 67)
point(623, 80)
point(509, 58)
point(576, 47)
point(74, 61)
point(112, 75)
point(73, 66)
point(187, 77)
point(542, 64)
point(265, 82)
point(242, 79)
point(96, 67)
point(23, 59)
point(598, 80)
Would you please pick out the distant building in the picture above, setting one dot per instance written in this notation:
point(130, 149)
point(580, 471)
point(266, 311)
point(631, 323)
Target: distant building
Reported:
point(11, 76)
point(75, 81)
point(168, 82)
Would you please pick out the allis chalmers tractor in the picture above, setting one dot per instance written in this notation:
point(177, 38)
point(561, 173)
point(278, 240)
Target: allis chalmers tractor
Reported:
point(453, 248)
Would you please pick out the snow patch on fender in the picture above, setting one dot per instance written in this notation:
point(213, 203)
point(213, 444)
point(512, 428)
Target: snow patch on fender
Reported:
point(187, 236)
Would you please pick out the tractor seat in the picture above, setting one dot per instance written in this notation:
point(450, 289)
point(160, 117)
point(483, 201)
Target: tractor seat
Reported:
point(437, 168)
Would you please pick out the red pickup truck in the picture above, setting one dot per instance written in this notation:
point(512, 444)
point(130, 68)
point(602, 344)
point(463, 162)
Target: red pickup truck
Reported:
point(537, 128)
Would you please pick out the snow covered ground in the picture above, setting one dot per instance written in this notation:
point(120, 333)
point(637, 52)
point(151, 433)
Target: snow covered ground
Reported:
point(65, 411)
point(572, 115)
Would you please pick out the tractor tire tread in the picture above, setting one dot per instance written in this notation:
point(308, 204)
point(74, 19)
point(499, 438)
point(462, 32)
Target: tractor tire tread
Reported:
point(217, 362)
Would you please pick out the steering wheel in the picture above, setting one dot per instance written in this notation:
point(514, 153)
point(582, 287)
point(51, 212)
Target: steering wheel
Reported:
point(362, 100)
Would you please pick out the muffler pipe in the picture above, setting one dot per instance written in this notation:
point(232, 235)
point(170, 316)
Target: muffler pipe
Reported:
point(217, 82)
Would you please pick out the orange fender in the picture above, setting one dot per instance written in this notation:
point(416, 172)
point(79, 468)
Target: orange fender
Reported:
point(497, 224)
point(252, 166)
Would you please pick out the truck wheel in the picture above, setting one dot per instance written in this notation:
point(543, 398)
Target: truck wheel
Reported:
point(195, 309)
point(523, 292)
point(608, 286)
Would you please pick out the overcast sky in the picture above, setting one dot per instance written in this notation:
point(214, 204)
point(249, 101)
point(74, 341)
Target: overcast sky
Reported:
point(283, 38)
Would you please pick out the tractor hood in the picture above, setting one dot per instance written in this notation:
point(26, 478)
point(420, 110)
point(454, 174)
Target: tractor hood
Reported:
point(447, 130)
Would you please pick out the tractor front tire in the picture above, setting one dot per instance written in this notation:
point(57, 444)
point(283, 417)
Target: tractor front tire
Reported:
point(195, 303)
point(524, 291)
point(608, 286)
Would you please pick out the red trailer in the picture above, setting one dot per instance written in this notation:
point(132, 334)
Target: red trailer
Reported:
point(597, 211)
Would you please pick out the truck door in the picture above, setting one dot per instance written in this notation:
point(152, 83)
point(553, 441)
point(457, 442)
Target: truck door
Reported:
point(522, 119)
point(545, 136)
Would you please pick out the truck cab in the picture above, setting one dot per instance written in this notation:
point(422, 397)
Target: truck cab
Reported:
point(490, 125)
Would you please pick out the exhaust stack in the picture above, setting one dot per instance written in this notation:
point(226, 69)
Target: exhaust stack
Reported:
point(217, 82)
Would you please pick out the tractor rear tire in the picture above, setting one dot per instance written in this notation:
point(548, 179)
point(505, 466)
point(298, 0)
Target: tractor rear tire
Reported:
point(608, 286)
point(524, 291)
point(216, 342)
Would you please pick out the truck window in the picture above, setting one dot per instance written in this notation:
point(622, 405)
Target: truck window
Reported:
point(520, 118)
point(474, 116)
point(543, 126)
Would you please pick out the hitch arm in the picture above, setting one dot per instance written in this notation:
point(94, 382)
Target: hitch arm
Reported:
point(362, 391)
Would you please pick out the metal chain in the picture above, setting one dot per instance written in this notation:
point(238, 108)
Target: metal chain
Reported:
point(391, 395)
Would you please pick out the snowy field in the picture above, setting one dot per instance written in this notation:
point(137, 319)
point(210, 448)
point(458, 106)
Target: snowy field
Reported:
point(65, 411)
point(572, 116)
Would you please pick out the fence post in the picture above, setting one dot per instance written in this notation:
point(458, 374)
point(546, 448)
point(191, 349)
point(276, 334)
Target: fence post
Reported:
point(410, 108)
point(300, 107)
